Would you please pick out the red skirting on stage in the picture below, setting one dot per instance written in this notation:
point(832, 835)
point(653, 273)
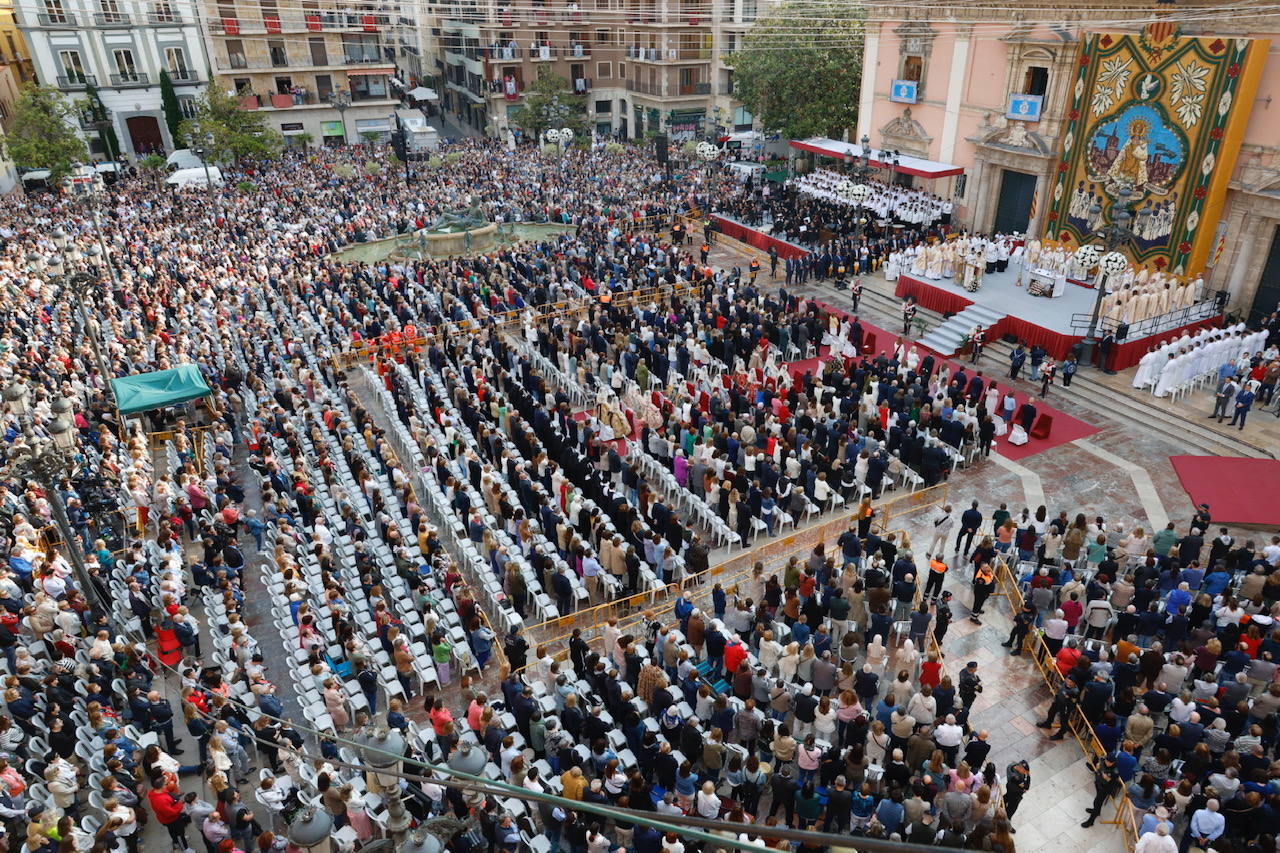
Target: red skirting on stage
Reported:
point(759, 239)
point(946, 302)
point(929, 297)
point(1057, 344)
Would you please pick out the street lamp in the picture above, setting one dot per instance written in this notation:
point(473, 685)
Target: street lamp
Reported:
point(102, 123)
point(340, 100)
point(89, 191)
point(201, 143)
point(80, 285)
point(47, 459)
point(561, 137)
point(707, 153)
point(1119, 231)
point(382, 751)
point(311, 830)
point(857, 195)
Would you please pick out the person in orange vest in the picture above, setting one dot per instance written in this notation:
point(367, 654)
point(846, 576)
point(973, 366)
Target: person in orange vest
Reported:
point(755, 269)
point(706, 250)
point(937, 573)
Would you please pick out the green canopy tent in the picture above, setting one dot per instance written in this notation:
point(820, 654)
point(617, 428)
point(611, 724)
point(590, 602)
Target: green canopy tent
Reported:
point(145, 391)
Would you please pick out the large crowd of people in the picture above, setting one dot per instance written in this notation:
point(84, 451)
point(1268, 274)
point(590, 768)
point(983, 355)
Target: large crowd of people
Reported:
point(327, 543)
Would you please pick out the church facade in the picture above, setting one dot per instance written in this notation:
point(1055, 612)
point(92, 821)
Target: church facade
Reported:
point(1052, 112)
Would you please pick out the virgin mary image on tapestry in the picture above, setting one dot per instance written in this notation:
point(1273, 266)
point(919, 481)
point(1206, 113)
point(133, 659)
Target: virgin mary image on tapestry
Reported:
point(1162, 115)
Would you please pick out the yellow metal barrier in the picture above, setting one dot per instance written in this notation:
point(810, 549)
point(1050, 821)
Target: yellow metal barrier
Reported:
point(1038, 651)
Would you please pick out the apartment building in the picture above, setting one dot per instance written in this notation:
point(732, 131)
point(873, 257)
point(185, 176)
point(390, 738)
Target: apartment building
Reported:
point(331, 71)
point(119, 48)
point(643, 65)
point(15, 59)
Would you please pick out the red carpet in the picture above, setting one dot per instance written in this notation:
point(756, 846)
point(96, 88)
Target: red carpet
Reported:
point(1235, 488)
point(1065, 428)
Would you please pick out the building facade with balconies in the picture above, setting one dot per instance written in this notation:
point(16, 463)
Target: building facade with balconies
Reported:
point(331, 71)
point(1007, 100)
point(644, 65)
point(119, 48)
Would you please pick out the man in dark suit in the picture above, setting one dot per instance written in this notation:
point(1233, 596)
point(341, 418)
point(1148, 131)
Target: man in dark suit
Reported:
point(1222, 397)
point(1244, 402)
point(1027, 415)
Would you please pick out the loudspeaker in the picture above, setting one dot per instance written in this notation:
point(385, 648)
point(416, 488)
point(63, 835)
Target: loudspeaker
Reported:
point(660, 146)
point(1122, 331)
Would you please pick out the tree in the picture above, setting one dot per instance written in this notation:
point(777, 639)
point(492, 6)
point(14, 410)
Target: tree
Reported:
point(800, 68)
point(550, 103)
point(42, 133)
point(236, 133)
point(152, 165)
point(172, 109)
point(97, 113)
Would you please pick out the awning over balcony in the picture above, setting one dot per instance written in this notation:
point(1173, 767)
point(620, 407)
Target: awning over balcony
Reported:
point(906, 164)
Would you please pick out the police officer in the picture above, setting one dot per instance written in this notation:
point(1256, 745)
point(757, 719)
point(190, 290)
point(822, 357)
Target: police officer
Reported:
point(1021, 626)
point(1064, 702)
point(1106, 781)
point(1017, 782)
point(970, 683)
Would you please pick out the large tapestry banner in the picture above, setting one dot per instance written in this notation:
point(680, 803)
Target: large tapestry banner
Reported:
point(1162, 114)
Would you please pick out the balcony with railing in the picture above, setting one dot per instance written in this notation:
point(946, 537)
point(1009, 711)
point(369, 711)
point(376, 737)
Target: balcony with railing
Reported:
point(581, 85)
point(57, 19)
point(644, 88)
point(112, 19)
point(501, 53)
point(543, 53)
point(370, 65)
point(130, 78)
point(644, 54)
point(165, 19)
point(578, 50)
point(76, 81)
point(694, 89)
point(184, 75)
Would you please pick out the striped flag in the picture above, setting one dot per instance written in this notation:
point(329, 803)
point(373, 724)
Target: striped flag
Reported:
point(1222, 244)
point(1035, 197)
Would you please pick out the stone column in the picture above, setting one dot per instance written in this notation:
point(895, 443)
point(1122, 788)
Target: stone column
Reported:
point(867, 95)
point(955, 91)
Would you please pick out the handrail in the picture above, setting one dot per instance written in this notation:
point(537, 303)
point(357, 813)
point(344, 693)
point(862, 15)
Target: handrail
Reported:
point(1202, 310)
point(740, 565)
point(1084, 734)
point(885, 512)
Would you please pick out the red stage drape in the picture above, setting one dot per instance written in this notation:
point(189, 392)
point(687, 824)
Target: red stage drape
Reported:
point(759, 239)
point(1056, 344)
point(1131, 352)
point(932, 298)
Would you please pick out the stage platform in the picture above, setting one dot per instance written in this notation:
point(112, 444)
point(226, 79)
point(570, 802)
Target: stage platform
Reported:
point(999, 305)
point(1003, 308)
point(1000, 293)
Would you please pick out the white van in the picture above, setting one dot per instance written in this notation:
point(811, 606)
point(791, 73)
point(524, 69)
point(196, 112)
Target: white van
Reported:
point(183, 158)
point(195, 177)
